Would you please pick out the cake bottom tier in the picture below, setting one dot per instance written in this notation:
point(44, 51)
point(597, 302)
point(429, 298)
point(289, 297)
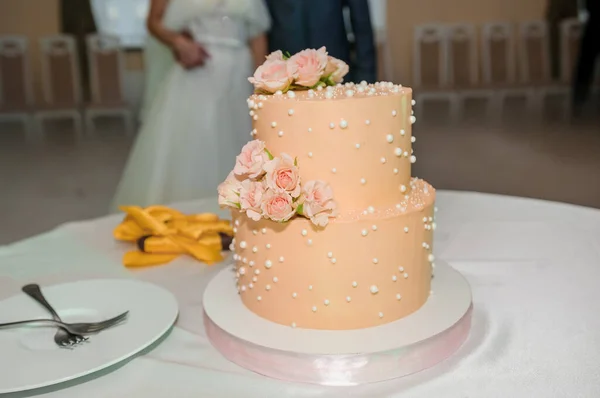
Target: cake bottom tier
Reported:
point(352, 274)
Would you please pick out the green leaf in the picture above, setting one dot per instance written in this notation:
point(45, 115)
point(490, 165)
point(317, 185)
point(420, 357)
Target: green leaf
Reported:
point(269, 154)
point(296, 161)
point(287, 55)
point(238, 206)
point(300, 209)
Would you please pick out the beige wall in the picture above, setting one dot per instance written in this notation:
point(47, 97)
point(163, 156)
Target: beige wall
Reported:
point(403, 15)
point(34, 19)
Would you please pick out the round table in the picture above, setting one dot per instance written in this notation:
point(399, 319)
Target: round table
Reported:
point(534, 268)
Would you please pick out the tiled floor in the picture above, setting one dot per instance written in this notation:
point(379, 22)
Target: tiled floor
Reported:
point(44, 185)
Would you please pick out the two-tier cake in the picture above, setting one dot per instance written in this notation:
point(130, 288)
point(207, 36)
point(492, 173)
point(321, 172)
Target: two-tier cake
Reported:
point(331, 231)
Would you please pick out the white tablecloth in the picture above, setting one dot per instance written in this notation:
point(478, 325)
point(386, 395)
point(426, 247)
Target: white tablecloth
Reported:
point(534, 267)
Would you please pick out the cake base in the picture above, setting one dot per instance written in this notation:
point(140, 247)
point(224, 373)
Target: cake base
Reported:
point(340, 357)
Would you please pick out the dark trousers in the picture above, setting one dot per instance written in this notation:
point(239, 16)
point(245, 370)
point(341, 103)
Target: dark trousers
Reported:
point(588, 54)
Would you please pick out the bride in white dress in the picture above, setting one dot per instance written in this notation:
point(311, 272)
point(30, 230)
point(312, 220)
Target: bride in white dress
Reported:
point(195, 116)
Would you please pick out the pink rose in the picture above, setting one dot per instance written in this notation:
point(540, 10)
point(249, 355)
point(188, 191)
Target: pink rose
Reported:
point(251, 194)
point(229, 192)
point(274, 75)
point(336, 69)
point(275, 56)
point(251, 160)
point(283, 175)
point(310, 65)
point(318, 202)
point(278, 206)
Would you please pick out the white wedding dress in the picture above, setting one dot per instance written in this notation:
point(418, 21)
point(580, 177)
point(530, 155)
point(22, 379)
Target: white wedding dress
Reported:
point(194, 121)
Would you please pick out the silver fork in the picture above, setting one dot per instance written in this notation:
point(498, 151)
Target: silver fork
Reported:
point(74, 328)
point(62, 337)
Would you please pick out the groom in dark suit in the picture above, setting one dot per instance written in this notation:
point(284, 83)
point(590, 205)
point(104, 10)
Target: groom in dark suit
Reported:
point(302, 24)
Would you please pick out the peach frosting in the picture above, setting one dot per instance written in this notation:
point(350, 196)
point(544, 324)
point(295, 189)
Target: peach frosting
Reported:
point(370, 265)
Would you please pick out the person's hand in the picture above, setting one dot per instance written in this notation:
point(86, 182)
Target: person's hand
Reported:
point(189, 53)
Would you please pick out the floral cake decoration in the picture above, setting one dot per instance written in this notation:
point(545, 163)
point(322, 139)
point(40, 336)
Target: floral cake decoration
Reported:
point(308, 69)
point(264, 186)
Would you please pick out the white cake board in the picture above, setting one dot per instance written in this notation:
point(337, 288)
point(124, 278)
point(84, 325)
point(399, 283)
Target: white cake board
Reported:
point(346, 357)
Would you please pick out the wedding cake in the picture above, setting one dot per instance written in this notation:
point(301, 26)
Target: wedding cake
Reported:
point(331, 232)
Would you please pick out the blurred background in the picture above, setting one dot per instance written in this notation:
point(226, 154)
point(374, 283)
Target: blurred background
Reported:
point(492, 81)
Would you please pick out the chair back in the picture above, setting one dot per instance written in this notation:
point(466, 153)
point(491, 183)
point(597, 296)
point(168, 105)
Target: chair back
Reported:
point(570, 38)
point(498, 53)
point(15, 75)
point(107, 66)
point(430, 56)
point(462, 55)
point(534, 52)
point(60, 71)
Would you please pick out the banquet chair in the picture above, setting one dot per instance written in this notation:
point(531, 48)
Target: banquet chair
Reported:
point(499, 67)
point(16, 94)
point(535, 69)
point(430, 68)
point(384, 56)
point(463, 63)
point(107, 70)
point(60, 83)
point(570, 38)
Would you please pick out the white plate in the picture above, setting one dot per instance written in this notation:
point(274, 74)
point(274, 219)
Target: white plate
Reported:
point(30, 359)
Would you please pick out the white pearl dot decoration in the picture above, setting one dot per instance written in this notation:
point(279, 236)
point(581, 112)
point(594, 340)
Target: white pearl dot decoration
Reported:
point(291, 112)
point(268, 245)
point(332, 125)
point(255, 117)
point(268, 287)
point(413, 139)
point(374, 227)
point(402, 188)
point(326, 302)
point(250, 285)
point(254, 249)
point(310, 154)
point(242, 270)
point(394, 278)
point(374, 289)
point(243, 244)
point(398, 151)
point(304, 232)
point(310, 287)
point(268, 264)
point(402, 132)
point(294, 295)
point(396, 171)
point(401, 269)
point(350, 93)
point(251, 263)
point(310, 130)
point(381, 314)
point(273, 124)
point(382, 160)
point(413, 102)
point(333, 260)
point(343, 124)
point(363, 181)
point(405, 275)
point(330, 254)
point(291, 94)
point(406, 229)
point(394, 113)
point(254, 232)
point(367, 122)
point(309, 242)
point(275, 279)
point(314, 309)
point(354, 284)
point(413, 120)
point(334, 170)
point(257, 271)
point(431, 258)
point(424, 219)
point(281, 259)
point(260, 105)
point(293, 324)
point(329, 94)
point(413, 159)
point(364, 232)
point(398, 296)
point(389, 138)
point(264, 231)
point(357, 146)
point(280, 134)
point(243, 288)
point(348, 299)
point(405, 154)
point(259, 298)
point(375, 261)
